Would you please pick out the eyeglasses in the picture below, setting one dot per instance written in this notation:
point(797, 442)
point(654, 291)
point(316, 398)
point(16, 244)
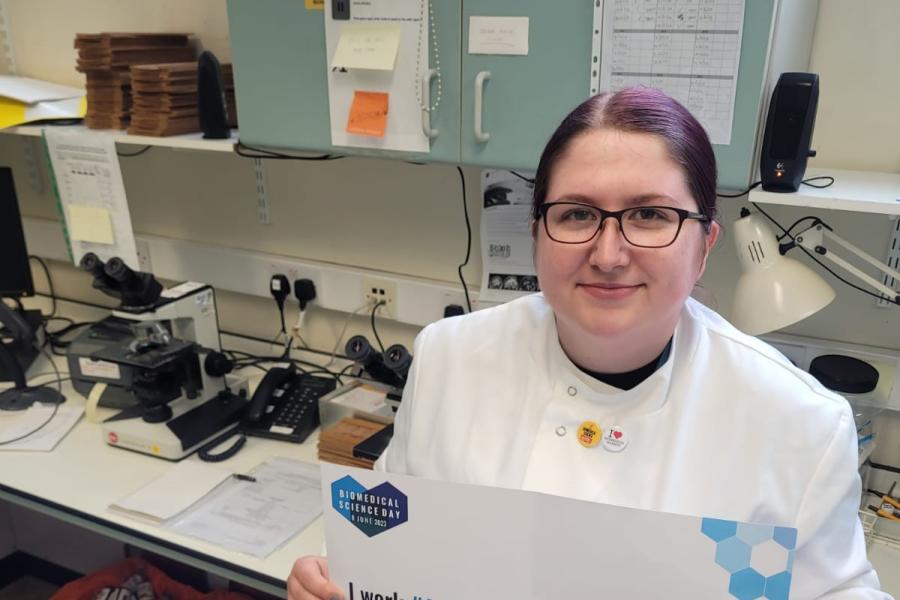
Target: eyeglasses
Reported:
point(641, 226)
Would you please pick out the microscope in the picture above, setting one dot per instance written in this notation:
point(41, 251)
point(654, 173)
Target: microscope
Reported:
point(145, 359)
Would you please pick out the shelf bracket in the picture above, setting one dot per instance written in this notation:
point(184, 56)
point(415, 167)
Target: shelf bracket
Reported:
point(7, 56)
point(262, 197)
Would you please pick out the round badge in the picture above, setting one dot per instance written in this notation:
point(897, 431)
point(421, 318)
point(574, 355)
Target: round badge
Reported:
point(615, 439)
point(589, 434)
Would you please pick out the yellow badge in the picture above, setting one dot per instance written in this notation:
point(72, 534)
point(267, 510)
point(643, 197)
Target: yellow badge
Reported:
point(589, 434)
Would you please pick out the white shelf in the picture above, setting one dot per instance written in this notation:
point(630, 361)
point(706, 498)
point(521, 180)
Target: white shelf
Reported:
point(190, 141)
point(858, 191)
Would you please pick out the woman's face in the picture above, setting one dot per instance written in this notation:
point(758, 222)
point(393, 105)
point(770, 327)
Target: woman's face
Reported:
point(606, 287)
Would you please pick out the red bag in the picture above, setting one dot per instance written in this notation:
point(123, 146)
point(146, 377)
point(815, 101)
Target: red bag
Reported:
point(135, 579)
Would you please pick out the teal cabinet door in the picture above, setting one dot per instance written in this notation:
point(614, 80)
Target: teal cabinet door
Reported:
point(280, 64)
point(524, 98)
point(444, 119)
point(735, 161)
point(278, 52)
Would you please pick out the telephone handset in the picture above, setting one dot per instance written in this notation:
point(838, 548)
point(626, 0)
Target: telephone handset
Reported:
point(285, 405)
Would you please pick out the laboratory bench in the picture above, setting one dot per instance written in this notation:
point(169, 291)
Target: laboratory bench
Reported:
point(78, 480)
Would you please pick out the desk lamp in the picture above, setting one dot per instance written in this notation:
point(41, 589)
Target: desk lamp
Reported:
point(774, 291)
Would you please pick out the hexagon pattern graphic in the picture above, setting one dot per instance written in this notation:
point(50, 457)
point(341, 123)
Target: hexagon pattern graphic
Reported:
point(758, 558)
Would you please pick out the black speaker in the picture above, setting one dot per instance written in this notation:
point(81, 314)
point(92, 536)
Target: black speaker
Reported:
point(211, 97)
point(789, 130)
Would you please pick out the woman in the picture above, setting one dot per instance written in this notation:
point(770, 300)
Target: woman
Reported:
point(613, 385)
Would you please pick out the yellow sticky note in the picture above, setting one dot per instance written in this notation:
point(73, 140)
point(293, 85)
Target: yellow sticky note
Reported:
point(315, 4)
point(368, 113)
point(90, 224)
point(367, 46)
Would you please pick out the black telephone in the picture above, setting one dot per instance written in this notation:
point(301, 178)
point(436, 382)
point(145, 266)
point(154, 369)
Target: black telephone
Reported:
point(285, 405)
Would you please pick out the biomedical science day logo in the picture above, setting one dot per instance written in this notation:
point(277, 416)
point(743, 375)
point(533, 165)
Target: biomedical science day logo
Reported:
point(372, 511)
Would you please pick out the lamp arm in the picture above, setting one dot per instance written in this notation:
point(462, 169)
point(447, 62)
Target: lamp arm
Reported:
point(814, 238)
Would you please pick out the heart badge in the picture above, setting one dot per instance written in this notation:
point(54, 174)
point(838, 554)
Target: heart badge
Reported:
point(616, 439)
point(372, 511)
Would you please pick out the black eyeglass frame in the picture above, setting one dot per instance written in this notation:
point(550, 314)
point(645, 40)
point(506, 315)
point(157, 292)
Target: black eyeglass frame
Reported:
point(541, 213)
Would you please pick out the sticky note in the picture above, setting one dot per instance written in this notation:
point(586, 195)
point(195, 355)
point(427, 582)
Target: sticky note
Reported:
point(90, 224)
point(367, 46)
point(368, 113)
point(315, 4)
point(498, 35)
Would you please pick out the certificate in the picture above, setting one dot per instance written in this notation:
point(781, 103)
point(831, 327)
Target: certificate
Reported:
point(396, 537)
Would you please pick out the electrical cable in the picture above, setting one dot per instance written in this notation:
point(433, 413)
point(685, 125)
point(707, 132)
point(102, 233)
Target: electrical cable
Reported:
point(881, 467)
point(340, 336)
point(828, 177)
point(375, 331)
point(240, 149)
point(221, 331)
point(130, 154)
point(522, 177)
point(49, 282)
point(819, 262)
point(459, 269)
point(738, 195)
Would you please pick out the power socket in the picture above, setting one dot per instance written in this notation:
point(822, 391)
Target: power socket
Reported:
point(380, 290)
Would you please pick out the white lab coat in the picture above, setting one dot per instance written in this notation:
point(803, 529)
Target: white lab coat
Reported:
point(727, 428)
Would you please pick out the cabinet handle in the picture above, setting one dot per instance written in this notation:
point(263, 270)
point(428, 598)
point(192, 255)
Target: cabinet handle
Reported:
point(427, 76)
point(480, 135)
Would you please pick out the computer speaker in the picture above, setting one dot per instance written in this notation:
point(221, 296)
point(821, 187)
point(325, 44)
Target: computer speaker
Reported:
point(211, 97)
point(789, 130)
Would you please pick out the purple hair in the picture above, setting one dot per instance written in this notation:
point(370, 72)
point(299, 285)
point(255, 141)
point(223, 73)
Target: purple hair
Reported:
point(638, 110)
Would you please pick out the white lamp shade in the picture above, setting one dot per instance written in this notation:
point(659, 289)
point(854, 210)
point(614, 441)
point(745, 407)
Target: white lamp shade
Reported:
point(774, 291)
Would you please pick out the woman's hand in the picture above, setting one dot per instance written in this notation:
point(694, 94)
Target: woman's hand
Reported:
point(309, 580)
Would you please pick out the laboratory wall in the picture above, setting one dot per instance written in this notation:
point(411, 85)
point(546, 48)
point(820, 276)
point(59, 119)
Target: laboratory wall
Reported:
point(408, 219)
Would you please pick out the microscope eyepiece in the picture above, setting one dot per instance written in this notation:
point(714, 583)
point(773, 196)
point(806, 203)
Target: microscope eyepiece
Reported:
point(118, 270)
point(91, 263)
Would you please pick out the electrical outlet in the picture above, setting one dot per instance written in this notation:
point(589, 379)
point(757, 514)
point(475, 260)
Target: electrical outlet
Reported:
point(380, 290)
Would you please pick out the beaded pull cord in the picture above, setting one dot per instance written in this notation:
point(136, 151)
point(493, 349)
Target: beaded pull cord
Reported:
point(423, 19)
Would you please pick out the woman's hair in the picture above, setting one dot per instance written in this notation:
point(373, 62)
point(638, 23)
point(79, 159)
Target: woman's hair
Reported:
point(638, 110)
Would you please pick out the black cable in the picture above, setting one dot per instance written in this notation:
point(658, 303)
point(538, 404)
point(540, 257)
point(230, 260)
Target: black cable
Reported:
point(375, 331)
point(240, 149)
point(74, 301)
point(59, 379)
point(881, 467)
point(820, 263)
point(49, 282)
point(205, 453)
point(828, 177)
point(459, 269)
point(797, 222)
point(522, 177)
point(738, 195)
point(221, 331)
point(130, 154)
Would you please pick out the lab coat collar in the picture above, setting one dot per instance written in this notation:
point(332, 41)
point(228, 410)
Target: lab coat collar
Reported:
point(648, 396)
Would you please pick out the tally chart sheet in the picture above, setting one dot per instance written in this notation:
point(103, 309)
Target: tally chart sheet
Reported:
point(402, 538)
point(690, 49)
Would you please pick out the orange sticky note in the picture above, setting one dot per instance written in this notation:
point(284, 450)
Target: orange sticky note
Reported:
point(368, 113)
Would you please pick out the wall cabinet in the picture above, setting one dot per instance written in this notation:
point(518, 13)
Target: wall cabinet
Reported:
point(496, 110)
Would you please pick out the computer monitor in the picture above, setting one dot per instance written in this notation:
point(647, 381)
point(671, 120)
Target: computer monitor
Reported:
point(15, 276)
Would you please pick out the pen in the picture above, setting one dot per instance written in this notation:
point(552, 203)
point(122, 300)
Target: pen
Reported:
point(242, 477)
